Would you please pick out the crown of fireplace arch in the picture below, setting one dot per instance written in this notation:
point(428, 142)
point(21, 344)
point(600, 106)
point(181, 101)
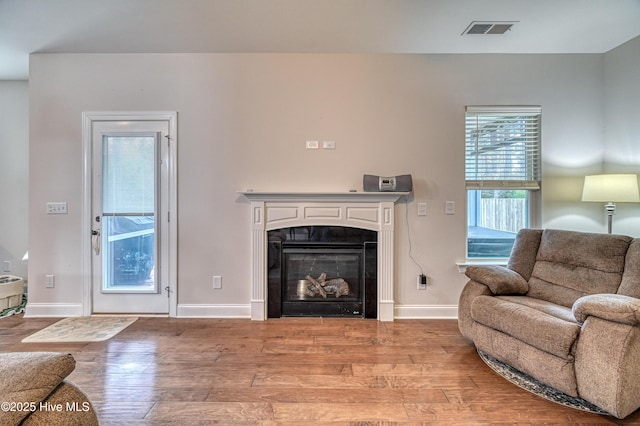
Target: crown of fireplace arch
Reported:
point(367, 210)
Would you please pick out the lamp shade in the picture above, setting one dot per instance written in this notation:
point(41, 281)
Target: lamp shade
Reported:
point(617, 188)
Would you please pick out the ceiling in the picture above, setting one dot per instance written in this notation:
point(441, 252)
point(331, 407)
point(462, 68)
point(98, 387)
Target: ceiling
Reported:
point(327, 26)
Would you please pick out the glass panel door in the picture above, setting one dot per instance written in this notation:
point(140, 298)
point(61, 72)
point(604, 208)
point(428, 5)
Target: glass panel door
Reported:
point(129, 200)
point(130, 217)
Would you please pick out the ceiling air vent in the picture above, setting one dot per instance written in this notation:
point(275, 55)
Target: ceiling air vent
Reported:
point(478, 27)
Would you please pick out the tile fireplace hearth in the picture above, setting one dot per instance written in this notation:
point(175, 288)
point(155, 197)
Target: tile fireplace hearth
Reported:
point(373, 211)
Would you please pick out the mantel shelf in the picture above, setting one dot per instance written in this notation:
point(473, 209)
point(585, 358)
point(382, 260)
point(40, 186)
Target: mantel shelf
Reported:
point(324, 196)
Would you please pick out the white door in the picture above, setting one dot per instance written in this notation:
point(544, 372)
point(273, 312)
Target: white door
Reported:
point(130, 194)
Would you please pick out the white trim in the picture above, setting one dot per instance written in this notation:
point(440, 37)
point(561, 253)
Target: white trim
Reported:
point(366, 210)
point(213, 311)
point(34, 310)
point(173, 212)
point(244, 311)
point(357, 197)
point(426, 312)
point(87, 122)
point(506, 109)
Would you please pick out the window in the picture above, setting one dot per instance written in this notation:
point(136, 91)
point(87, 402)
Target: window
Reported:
point(502, 173)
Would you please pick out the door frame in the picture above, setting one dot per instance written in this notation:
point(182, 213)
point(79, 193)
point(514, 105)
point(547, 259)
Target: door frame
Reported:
point(88, 118)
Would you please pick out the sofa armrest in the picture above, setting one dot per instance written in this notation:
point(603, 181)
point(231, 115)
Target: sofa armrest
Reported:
point(610, 307)
point(77, 409)
point(607, 356)
point(29, 377)
point(499, 279)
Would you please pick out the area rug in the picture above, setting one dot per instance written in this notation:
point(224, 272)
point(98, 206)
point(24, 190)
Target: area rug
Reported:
point(15, 309)
point(532, 385)
point(81, 329)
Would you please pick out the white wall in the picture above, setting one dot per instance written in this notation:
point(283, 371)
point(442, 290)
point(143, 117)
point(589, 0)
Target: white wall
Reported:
point(243, 120)
point(14, 175)
point(622, 115)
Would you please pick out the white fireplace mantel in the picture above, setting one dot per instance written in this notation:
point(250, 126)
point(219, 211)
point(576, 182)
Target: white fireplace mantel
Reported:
point(367, 210)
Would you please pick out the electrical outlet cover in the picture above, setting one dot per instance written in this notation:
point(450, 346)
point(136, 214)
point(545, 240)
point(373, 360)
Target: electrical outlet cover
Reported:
point(217, 281)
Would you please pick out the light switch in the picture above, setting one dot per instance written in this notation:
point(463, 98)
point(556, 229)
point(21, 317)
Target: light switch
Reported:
point(56, 208)
point(450, 207)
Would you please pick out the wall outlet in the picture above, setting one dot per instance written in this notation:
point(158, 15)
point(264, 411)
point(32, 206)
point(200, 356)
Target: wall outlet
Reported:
point(6, 266)
point(328, 144)
point(422, 282)
point(422, 209)
point(217, 282)
point(312, 144)
point(50, 281)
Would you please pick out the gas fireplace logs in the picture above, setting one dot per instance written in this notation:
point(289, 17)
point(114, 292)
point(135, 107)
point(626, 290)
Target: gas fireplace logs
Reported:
point(322, 286)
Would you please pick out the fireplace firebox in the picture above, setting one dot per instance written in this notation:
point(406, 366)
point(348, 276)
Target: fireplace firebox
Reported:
point(322, 271)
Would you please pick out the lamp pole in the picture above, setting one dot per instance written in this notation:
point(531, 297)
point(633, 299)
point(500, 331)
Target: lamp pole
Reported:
point(611, 210)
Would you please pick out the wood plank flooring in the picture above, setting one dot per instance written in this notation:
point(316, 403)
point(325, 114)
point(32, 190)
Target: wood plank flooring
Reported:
point(167, 371)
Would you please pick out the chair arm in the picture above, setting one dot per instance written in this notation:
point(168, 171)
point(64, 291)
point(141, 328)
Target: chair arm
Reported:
point(610, 307)
point(499, 279)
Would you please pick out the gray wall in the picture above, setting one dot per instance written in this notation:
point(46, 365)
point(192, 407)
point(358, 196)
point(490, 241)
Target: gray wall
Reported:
point(622, 107)
point(243, 120)
point(14, 175)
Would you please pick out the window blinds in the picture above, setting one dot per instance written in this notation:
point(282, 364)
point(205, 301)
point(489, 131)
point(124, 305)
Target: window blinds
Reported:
point(502, 147)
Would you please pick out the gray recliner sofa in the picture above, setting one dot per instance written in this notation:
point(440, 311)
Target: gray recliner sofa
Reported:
point(34, 391)
point(566, 311)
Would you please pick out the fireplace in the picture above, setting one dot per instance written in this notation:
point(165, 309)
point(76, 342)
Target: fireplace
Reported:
point(322, 271)
point(373, 211)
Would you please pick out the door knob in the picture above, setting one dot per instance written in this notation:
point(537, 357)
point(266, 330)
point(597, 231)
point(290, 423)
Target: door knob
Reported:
point(95, 241)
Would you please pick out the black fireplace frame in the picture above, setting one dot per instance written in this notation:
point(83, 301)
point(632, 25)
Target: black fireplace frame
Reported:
point(341, 239)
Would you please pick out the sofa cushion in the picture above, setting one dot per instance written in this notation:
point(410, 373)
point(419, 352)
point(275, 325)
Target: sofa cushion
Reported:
point(557, 311)
point(549, 329)
point(570, 265)
point(28, 377)
point(499, 279)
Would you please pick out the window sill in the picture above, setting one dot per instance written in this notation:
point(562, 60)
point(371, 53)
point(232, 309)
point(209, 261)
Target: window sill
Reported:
point(462, 266)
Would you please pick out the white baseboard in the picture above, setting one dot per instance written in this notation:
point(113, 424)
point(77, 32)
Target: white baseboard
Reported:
point(426, 312)
point(213, 311)
point(34, 310)
point(386, 310)
point(244, 311)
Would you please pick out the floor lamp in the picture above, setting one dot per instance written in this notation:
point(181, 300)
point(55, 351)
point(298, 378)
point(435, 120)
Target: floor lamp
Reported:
point(611, 189)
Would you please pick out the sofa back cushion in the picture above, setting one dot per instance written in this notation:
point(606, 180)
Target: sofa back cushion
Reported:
point(524, 251)
point(572, 264)
point(630, 285)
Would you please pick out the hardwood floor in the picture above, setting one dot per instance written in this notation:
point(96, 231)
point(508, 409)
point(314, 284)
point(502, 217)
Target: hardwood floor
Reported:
point(166, 371)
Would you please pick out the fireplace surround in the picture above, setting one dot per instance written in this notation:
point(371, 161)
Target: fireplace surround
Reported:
point(366, 210)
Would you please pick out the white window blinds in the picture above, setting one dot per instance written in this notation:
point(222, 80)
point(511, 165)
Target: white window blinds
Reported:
point(502, 147)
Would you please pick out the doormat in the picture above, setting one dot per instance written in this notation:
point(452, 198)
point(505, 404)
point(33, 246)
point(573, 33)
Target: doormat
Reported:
point(532, 385)
point(81, 329)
